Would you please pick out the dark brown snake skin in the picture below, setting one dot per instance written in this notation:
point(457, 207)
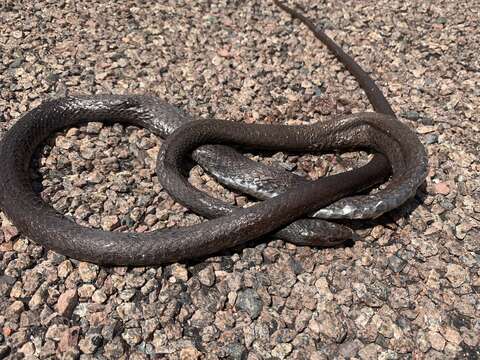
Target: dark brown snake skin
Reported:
point(379, 132)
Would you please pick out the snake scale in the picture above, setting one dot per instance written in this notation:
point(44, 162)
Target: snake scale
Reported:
point(397, 151)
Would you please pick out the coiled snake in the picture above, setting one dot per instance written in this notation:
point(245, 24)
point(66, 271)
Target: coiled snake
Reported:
point(394, 143)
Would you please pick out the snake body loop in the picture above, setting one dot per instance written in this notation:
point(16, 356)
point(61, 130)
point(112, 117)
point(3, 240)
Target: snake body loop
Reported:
point(42, 223)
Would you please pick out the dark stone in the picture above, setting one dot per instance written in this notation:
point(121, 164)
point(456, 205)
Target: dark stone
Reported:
point(411, 115)
point(249, 301)
point(208, 299)
point(396, 264)
point(237, 351)
point(431, 139)
point(459, 320)
point(16, 63)
point(53, 78)
point(76, 70)
point(226, 263)
point(4, 351)
point(382, 341)
point(97, 340)
point(426, 120)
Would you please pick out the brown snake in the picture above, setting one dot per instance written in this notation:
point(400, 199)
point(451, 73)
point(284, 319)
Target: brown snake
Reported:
point(381, 133)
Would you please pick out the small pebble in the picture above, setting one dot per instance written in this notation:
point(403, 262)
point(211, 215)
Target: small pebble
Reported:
point(67, 302)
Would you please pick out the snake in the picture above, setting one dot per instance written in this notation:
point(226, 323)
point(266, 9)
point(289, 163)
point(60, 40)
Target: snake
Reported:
point(395, 144)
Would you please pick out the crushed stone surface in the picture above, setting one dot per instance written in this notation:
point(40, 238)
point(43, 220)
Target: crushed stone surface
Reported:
point(408, 289)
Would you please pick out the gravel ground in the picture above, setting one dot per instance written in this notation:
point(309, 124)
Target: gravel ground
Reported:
point(407, 290)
